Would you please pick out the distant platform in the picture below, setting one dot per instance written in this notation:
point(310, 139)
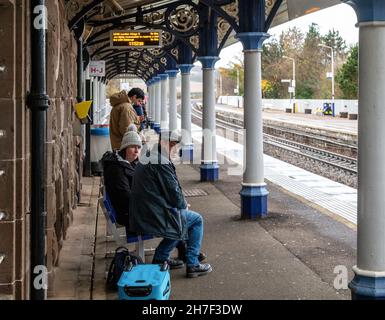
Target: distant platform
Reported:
point(301, 119)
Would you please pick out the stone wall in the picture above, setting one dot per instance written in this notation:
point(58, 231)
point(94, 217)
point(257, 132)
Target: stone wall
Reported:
point(14, 150)
point(63, 147)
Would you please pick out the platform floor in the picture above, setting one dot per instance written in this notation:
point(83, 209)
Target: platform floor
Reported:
point(292, 254)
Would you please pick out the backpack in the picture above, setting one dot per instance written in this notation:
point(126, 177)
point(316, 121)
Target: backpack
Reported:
point(121, 260)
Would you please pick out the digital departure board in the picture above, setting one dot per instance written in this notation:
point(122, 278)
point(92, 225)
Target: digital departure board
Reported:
point(121, 39)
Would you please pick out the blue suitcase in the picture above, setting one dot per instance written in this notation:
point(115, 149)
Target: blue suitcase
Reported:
point(145, 282)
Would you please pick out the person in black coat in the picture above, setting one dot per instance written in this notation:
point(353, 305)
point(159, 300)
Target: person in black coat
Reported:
point(158, 207)
point(119, 168)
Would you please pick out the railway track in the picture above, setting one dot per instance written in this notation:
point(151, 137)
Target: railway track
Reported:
point(327, 158)
point(322, 140)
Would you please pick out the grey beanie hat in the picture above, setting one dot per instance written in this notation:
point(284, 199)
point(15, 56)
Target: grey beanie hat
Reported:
point(171, 136)
point(131, 139)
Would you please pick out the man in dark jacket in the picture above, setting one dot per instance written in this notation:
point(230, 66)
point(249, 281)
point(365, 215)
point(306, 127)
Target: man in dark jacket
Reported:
point(119, 170)
point(158, 207)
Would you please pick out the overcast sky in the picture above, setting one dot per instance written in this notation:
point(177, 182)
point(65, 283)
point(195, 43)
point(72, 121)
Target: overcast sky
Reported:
point(340, 17)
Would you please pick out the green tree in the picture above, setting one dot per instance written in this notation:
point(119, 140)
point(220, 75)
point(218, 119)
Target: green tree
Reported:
point(275, 67)
point(333, 39)
point(347, 76)
point(271, 68)
point(235, 69)
point(310, 67)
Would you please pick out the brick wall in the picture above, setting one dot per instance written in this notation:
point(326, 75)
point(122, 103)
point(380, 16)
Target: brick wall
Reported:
point(63, 148)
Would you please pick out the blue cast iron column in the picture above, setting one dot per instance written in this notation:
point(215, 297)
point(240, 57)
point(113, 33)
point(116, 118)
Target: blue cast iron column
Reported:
point(187, 144)
point(149, 115)
point(163, 103)
point(157, 105)
point(254, 192)
point(369, 280)
point(173, 119)
point(208, 51)
point(153, 113)
point(209, 168)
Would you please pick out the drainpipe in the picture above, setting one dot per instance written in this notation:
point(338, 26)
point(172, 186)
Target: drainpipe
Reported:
point(79, 31)
point(38, 102)
point(80, 97)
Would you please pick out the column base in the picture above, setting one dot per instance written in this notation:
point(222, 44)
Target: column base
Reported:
point(209, 172)
point(254, 202)
point(187, 153)
point(367, 288)
point(157, 128)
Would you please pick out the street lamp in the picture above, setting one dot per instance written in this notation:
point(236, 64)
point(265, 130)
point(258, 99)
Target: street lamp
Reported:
point(293, 84)
point(332, 73)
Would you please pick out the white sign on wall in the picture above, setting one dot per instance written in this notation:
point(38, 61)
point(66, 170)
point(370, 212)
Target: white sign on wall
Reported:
point(97, 68)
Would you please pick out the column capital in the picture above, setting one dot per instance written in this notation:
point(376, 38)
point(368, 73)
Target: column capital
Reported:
point(155, 79)
point(185, 68)
point(368, 10)
point(172, 73)
point(163, 76)
point(208, 62)
point(252, 40)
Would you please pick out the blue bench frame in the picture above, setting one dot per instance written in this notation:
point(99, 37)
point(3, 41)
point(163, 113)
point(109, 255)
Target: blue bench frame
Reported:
point(110, 214)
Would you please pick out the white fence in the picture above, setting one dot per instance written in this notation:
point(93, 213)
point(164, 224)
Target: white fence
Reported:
point(231, 101)
point(350, 106)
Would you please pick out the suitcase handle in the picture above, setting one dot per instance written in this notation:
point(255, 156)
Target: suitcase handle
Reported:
point(128, 267)
point(165, 267)
point(138, 291)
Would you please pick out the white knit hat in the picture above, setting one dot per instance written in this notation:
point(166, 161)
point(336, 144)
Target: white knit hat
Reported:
point(132, 127)
point(131, 139)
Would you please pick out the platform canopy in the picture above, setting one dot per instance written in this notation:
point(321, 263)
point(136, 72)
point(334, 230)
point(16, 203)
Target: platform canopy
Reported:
point(182, 23)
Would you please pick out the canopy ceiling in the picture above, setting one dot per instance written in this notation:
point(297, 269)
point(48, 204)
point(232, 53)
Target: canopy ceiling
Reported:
point(179, 19)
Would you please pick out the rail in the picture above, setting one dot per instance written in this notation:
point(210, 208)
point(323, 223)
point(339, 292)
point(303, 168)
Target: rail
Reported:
point(341, 162)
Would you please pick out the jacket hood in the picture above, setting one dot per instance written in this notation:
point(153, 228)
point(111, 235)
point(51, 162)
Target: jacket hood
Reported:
point(119, 98)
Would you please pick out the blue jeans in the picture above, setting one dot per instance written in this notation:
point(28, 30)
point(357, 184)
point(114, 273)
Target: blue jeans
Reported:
point(195, 235)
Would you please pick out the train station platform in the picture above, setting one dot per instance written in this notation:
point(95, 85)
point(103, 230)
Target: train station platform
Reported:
point(300, 119)
point(291, 254)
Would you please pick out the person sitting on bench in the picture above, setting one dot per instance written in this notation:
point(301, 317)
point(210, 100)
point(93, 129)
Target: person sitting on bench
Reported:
point(159, 208)
point(118, 171)
point(119, 168)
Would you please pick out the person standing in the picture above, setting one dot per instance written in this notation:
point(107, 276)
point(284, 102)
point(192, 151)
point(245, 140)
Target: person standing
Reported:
point(123, 114)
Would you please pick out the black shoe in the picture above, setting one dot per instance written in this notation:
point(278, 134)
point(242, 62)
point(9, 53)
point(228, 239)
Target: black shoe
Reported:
point(199, 270)
point(173, 263)
point(201, 257)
